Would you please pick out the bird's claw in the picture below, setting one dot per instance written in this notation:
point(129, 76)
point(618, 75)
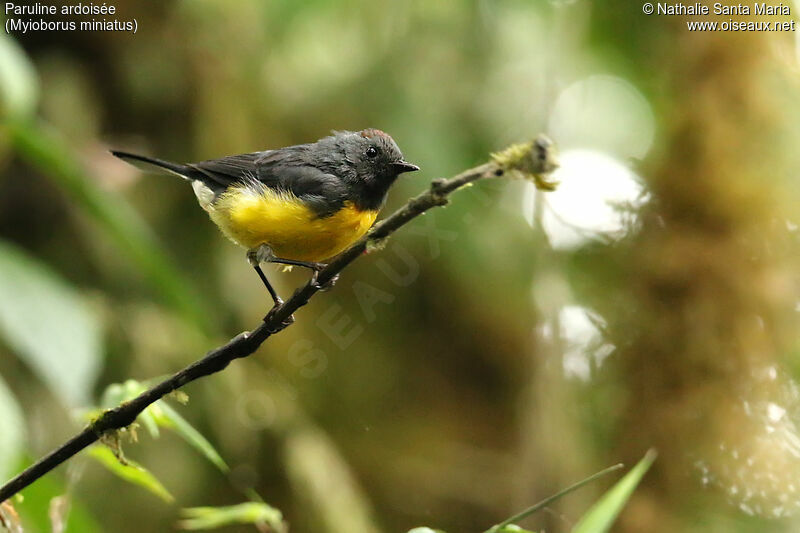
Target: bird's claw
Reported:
point(323, 286)
point(288, 321)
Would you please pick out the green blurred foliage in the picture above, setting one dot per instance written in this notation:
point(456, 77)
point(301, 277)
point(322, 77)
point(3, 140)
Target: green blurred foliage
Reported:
point(49, 326)
point(204, 518)
point(129, 470)
point(602, 514)
point(474, 365)
point(12, 431)
point(49, 503)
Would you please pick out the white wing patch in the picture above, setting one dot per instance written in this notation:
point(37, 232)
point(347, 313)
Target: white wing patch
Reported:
point(205, 196)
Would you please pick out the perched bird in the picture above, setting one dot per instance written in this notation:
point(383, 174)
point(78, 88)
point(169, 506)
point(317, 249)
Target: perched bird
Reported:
point(298, 205)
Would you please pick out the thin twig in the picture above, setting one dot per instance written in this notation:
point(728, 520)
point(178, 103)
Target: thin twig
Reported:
point(547, 501)
point(278, 319)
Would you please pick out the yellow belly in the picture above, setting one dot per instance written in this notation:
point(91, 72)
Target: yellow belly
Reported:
point(250, 218)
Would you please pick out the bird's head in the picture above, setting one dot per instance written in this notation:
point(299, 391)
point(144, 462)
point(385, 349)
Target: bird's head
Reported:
point(375, 156)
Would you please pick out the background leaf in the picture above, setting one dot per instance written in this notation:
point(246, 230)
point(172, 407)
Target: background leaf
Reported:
point(48, 325)
point(131, 472)
point(197, 518)
point(602, 514)
point(161, 414)
point(19, 85)
point(48, 152)
point(12, 431)
point(168, 417)
point(37, 499)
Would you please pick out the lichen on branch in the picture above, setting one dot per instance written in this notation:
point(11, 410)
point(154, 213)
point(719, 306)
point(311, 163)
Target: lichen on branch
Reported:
point(534, 161)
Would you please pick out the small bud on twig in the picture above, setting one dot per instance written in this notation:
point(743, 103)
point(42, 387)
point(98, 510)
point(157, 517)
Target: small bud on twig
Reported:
point(534, 161)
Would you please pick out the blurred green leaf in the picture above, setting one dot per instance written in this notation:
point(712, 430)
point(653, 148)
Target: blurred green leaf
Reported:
point(424, 530)
point(508, 525)
point(48, 325)
point(161, 414)
point(116, 393)
point(602, 514)
point(324, 483)
point(130, 472)
point(12, 431)
point(148, 420)
point(46, 151)
point(35, 506)
point(19, 85)
point(112, 396)
point(167, 417)
point(244, 513)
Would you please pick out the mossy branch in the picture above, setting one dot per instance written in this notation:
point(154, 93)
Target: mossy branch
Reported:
point(534, 161)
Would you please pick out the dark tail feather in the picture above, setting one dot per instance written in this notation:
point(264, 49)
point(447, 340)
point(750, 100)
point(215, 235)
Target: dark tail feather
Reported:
point(147, 164)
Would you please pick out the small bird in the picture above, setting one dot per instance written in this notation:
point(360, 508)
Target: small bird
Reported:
point(298, 205)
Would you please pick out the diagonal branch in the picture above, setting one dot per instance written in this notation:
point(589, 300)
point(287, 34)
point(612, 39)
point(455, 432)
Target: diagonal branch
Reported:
point(534, 160)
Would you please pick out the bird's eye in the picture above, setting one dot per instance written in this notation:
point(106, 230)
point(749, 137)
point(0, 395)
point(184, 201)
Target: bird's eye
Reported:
point(372, 151)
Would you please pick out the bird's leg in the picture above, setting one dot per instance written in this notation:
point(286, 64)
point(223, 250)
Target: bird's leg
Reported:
point(315, 268)
point(256, 256)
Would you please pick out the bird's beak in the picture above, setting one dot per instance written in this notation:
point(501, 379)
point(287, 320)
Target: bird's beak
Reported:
point(404, 166)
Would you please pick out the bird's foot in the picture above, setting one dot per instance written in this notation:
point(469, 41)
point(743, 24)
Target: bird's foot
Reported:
point(286, 322)
point(322, 286)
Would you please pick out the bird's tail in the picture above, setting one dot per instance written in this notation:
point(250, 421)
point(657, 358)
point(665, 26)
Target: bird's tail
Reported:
point(147, 163)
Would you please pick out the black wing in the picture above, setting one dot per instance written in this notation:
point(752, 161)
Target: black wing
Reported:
point(220, 173)
point(283, 170)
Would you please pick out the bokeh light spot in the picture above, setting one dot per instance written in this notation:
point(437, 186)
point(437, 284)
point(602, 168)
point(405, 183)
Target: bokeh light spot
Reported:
point(604, 113)
point(596, 199)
